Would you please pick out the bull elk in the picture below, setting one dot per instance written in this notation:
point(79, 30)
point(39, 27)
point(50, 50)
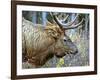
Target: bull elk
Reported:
point(38, 43)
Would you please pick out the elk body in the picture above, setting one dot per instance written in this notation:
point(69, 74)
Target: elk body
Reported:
point(38, 43)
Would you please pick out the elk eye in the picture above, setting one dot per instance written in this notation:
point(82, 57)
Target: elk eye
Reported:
point(65, 40)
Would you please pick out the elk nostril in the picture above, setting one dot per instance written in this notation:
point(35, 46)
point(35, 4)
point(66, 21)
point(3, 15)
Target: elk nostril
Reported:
point(76, 52)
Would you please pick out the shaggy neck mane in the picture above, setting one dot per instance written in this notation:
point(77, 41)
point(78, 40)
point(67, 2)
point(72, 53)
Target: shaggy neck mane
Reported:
point(42, 40)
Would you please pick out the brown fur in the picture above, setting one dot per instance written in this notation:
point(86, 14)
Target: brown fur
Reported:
point(39, 43)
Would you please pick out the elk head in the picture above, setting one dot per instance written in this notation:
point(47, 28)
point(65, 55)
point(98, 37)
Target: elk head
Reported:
point(64, 45)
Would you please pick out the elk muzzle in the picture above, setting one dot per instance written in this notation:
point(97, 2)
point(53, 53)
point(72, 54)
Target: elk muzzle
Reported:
point(70, 47)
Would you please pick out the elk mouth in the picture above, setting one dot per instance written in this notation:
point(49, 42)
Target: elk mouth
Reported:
point(72, 52)
point(60, 55)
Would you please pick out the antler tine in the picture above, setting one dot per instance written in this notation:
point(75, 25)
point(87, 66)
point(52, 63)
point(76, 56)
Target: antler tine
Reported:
point(66, 18)
point(63, 20)
point(69, 23)
point(56, 20)
point(74, 26)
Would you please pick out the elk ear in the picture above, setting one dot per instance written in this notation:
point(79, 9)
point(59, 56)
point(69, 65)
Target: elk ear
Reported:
point(53, 33)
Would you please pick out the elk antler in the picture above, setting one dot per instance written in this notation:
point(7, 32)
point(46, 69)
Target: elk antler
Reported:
point(69, 25)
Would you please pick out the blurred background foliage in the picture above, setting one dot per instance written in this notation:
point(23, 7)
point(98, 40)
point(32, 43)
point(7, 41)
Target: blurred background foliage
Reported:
point(79, 36)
